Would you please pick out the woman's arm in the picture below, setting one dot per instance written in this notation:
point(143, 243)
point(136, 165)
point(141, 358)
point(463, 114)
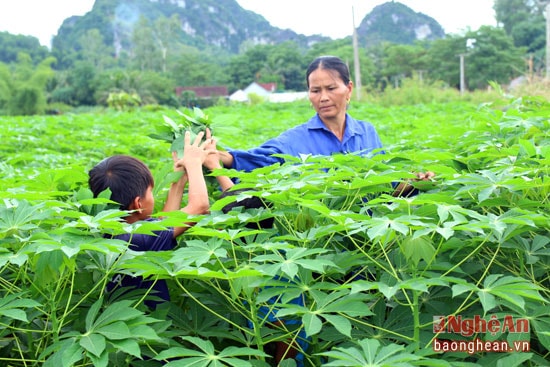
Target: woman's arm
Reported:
point(212, 162)
point(226, 158)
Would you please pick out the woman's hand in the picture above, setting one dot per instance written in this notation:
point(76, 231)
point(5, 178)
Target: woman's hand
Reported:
point(424, 176)
point(212, 161)
point(405, 189)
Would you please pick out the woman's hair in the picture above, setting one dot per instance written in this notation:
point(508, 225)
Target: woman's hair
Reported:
point(329, 63)
point(126, 177)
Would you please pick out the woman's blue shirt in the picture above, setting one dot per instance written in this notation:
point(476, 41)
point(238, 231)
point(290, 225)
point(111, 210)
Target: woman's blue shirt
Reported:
point(312, 137)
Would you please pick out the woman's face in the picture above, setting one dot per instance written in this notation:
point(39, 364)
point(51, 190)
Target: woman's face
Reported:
point(328, 94)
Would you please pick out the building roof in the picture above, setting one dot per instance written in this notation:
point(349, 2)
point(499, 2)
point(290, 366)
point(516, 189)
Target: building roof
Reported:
point(270, 87)
point(261, 89)
point(205, 92)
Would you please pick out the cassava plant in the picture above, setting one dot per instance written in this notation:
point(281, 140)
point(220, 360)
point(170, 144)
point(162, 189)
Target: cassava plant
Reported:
point(374, 273)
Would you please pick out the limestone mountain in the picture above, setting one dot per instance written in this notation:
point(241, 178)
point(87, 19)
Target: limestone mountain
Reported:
point(219, 25)
point(204, 24)
point(397, 23)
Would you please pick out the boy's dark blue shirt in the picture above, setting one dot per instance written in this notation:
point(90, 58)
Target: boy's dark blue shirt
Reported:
point(162, 241)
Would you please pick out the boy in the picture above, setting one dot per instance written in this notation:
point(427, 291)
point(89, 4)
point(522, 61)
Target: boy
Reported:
point(281, 349)
point(131, 184)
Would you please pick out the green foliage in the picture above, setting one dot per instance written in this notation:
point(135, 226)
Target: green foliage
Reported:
point(22, 91)
point(123, 101)
point(524, 21)
point(174, 133)
point(12, 45)
point(82, 81)
point(414, 91)
point(371, 354)
point(404, 60)
point(118, 328)
point(491, 57)
point(94, 50)
point(372, 270)
point(28, 100)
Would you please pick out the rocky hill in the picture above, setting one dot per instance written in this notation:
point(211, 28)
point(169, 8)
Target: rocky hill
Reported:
point(224, 25)
point(204, 23)
point(397, 23)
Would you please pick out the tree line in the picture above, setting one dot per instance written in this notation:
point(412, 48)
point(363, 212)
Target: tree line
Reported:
point(34, 79)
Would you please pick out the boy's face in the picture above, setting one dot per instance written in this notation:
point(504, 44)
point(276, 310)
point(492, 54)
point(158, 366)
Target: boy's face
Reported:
point(147, 203)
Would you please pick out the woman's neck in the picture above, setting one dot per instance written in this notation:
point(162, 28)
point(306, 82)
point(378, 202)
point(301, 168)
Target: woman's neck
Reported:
point(337, 126)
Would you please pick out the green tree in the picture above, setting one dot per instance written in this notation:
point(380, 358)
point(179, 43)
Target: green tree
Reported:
point(76, 86)
point(193, 67)
point(82, 80)
point(284, 66)
point(404, 60)
point(11, 45)
point(113, 81)
point(491, 57)
point(245, 68)
point(512, 12)
point(163, 33)
point(524, 21)
point(95, 51)
point(145, 55)
point(443, 56)
point(28, 85)
point(156, 88)
point(27, 100)
point(6, 85)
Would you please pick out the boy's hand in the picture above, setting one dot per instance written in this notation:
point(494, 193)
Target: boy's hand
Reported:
point(193, 153)
point(212, 161)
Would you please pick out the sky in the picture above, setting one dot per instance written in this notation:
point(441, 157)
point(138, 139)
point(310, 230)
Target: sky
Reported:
point(332, 18)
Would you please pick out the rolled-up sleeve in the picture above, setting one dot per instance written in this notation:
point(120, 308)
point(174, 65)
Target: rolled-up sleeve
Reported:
point(255, 158)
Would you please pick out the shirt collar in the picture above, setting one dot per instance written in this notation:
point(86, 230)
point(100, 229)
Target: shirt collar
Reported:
point(352, 126)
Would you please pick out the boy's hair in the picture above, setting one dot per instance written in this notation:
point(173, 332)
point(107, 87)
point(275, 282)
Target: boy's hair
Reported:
point(252, 202)
point(127, 178)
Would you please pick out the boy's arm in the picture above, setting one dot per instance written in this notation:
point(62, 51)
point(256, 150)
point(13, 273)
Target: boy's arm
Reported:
point(193, 158)
point(225, 182)
point(175, 194)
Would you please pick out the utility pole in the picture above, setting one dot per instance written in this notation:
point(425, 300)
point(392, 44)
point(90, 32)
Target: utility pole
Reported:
point(548, 40)
point(462, 79)
point(470, 43)
point(356, 59)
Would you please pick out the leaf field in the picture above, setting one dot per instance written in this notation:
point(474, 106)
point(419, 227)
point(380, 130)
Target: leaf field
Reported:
point(456, 275)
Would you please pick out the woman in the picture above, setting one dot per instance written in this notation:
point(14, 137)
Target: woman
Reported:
point(330, 131)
